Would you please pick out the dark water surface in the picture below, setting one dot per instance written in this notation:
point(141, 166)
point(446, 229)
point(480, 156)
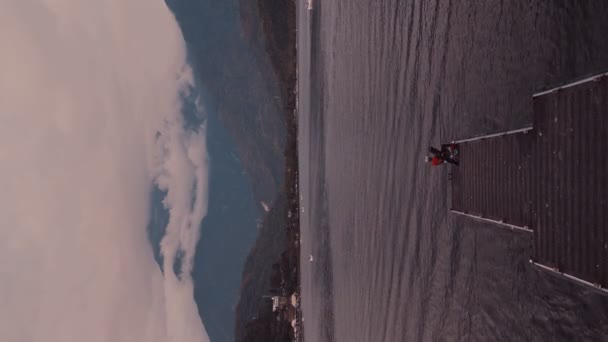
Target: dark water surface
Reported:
point(378, 82)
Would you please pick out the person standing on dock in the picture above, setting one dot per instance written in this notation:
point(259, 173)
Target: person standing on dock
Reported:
point(446, 154)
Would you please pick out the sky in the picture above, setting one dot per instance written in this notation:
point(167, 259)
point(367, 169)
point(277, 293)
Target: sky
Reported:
point(90, 122)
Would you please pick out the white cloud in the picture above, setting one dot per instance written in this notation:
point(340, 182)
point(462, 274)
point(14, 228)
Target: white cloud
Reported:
point(84, 87)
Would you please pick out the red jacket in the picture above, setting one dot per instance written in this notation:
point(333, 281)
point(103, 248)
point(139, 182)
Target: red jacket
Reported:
point(436, 161)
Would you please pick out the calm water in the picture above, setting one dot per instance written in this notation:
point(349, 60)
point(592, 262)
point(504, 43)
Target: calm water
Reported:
point(379, 81)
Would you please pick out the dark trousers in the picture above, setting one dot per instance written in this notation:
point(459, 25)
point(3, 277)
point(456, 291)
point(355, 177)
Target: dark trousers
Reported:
point(451, 161)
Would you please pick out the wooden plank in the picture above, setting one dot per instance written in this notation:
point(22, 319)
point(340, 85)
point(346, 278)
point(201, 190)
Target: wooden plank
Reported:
point(551, 178)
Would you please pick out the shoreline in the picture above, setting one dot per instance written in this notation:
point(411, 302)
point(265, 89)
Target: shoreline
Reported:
point(273, 311)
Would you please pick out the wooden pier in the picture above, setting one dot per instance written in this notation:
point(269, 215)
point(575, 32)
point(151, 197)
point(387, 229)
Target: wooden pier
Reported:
point(550, 179)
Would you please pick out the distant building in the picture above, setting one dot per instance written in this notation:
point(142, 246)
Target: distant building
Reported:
point(289, 314)
point(294, 299)
point(279, 302)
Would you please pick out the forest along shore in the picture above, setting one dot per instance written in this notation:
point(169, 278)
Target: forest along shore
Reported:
point(269, 303)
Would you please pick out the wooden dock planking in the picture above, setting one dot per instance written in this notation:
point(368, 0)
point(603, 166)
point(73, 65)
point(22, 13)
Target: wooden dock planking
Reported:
point(570, 233)
point(492, 174)
point(551, 178)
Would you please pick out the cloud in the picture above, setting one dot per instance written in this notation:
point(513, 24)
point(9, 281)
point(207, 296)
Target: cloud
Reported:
point(89, 121)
